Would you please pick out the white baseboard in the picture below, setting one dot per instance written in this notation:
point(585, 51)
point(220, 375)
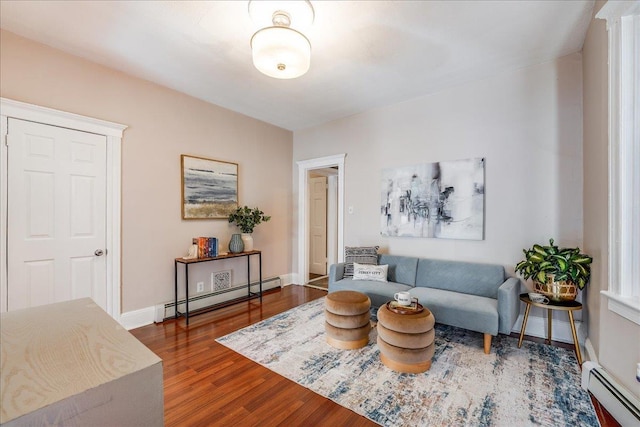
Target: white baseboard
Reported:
point(590, 352)
point(137, 318)
point(148, 315)
point(293, 279)
point(289, 279)
point(560, 329)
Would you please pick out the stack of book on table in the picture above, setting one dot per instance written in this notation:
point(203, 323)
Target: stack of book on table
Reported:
point(207, 246)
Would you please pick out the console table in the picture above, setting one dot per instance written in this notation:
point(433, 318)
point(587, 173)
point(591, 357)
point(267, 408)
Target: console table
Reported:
point(187, 262)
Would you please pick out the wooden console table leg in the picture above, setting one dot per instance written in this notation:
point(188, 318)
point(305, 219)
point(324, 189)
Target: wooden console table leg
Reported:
point(175, 264)
point(260, 266)
point(248, 276)
point(186, 293)
point(524, 324)
point(575, 338)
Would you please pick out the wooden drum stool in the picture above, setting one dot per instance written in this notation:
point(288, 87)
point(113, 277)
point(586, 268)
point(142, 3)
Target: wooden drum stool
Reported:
point(406, 340)
point(347, 319)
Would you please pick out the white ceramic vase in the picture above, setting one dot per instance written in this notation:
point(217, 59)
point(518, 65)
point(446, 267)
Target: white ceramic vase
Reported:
point(247, 239)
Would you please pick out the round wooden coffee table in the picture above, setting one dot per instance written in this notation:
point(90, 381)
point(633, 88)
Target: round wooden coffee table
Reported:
point(568, 306)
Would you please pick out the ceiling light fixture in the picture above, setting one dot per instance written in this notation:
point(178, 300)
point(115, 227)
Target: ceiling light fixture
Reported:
point(278, 50)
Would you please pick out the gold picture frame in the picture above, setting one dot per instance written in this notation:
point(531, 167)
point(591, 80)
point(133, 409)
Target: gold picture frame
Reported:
point(209, 187)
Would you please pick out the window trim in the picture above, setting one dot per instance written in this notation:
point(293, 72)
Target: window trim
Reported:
point(623, 27)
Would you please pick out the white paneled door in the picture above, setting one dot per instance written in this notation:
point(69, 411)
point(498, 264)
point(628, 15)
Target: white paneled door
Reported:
point(56, 225)
point(318, 225)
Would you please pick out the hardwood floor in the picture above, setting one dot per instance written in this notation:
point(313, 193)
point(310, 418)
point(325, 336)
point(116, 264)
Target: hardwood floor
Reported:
point(206, 384)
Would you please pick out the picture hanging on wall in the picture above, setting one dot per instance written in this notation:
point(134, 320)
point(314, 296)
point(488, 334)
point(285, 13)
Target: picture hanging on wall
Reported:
point(443, 200)
point(209, 188)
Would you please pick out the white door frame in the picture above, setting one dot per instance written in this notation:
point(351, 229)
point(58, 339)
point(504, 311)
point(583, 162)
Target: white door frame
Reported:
point(304, 166)
point(332, 221)
point(113, 132)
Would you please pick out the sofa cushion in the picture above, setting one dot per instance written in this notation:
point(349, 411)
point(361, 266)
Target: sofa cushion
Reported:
point(377, 273)
point(466, 311)
point(359, 254)
point(466, 277)
point(402, 269)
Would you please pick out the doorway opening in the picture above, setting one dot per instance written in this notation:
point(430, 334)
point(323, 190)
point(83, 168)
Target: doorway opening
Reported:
point(320, 218)
point(323, 224)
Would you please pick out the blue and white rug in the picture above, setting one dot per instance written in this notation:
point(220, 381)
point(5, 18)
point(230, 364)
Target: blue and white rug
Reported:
point(536, 385)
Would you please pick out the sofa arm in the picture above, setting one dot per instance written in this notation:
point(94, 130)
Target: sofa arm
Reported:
point(508, 304)
point(336, 272)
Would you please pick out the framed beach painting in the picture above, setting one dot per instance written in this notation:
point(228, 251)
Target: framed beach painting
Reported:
point(209, 188)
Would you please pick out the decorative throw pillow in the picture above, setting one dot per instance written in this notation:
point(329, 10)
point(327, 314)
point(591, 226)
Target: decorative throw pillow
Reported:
point(370, 272)
point(361, 255)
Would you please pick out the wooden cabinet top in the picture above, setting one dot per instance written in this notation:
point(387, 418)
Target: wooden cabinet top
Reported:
point(55, 351)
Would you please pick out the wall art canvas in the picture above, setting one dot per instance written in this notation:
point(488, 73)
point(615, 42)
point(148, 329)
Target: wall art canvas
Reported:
point(443, 200)
point(209, 188)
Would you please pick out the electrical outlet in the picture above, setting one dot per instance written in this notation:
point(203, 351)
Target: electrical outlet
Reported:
point(200, 287)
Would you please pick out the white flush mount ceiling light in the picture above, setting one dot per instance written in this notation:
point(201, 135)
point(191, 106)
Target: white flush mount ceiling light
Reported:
point(278, 50)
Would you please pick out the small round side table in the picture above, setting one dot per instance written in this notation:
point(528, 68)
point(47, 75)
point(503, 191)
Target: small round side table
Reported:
point(568, 306)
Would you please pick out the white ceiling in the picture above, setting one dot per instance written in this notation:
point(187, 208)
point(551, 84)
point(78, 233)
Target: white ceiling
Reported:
point(365, 54)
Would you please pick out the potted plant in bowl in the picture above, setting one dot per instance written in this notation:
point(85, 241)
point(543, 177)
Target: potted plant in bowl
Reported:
point(246, 218)
point(556, 272)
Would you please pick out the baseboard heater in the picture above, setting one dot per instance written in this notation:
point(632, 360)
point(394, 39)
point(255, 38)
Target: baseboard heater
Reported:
point(620, 403)
point(167, 311)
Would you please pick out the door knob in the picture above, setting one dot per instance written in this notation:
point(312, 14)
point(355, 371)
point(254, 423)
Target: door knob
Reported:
point(99, 252)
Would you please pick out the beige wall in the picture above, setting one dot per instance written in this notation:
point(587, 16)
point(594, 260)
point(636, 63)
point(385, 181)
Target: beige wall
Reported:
point(526, 123)
point(615, 340)
point(162, 124)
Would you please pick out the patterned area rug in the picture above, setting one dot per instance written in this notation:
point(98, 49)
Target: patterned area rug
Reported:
point(533, 385)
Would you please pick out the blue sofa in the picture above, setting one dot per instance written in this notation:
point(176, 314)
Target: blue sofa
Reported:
point(477, 297)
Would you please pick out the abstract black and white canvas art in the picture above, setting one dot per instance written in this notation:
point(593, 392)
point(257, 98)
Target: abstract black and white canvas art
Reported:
point(443, 200)
point(209, 188)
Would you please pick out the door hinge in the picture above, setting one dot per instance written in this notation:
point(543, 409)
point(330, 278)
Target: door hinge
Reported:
point(9, 139)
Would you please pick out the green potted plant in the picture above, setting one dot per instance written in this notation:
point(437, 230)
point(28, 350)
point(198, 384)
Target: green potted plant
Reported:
point(556, 272)
point(246, 218)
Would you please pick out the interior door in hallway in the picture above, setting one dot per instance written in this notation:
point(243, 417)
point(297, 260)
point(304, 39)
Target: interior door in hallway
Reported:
point(318, 225)
point(56, 224)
